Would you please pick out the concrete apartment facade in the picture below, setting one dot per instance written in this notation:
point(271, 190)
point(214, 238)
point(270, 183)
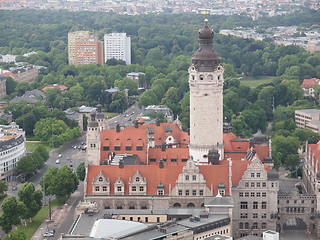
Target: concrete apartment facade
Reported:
point(88, 50)
point(308, 118)
point(118, 46)
point(72, 36)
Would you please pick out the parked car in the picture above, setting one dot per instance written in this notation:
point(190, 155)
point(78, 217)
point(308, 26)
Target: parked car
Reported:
point(60, 155)
point(51, 231)
point(57, 161)
point(48, 234)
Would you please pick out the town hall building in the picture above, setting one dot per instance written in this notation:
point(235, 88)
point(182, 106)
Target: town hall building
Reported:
point(158, 166)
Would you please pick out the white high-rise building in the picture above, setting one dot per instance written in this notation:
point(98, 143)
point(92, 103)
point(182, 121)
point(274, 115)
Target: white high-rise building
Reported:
point(206, 100)
point(118, 46)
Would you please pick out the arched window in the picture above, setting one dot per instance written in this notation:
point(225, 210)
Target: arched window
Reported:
point(263, 225)
point(241, 225)
point(191, 205)
point(100, 179)
point(137, 179)
point(177, 205)
point(246, 225)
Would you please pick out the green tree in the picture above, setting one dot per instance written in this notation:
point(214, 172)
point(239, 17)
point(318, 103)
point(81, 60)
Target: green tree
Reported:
point(81, 171)
point(119, 102)
point(17, 235)
point(148, 98)
point(3, 186)
point(10, 85)
point(48, 127)
point(60, 182)
point(12, 212)
point(231, 100)
point(127, 83)
point(31, 198)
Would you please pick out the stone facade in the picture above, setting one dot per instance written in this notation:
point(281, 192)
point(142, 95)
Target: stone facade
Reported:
point(255, 202)
point(2, 87)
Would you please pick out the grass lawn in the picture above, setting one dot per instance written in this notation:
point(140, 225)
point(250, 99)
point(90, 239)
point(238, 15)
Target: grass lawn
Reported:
point(254, 82)
point(32, 145)
point(32, 227)
point(110, 115)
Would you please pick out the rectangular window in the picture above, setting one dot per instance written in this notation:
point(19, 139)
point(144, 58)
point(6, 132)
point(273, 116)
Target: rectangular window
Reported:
point(128, 148)
point(173, 160)
point(187, 177)
point(246, 194)
point(252, 194)
point(252, 174)
point(131, 218)
point(240, 194)
point(160, 192)
point(106, 148)
point(255, 215)
point(258, 174)
point(243, 215)
point(97, 189)
point(158, 219)
point(194, 192)
point(263, 194)
point(184, 159)
point(187, 192)
point(141, 189)
point(153, 160)
point(255, 205)
point(146, 219)
point(264, 184)
point(264, 215)
point(252, 184)
point(246, 184)
point(201, 192)
point(264, 205)
point(243, 205)
point(119, 189)
point(104, 188)
point(139, 148)
point(117, 148)
point(180, 192)
point(257, 194)
point(194, 177)
point(258, 184)
point(134, 189)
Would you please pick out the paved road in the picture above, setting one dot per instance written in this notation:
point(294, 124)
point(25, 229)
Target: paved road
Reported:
point(296, 235)
point(76, 156)
point(125, 119)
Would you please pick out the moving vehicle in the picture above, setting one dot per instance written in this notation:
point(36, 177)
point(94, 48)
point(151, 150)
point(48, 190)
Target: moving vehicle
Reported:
point(60, 155)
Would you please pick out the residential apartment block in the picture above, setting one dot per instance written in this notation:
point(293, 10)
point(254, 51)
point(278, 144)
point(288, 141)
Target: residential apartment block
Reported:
point(88, 50)
point(118, 46)
point(12, 149)
point(308, 118)
point(72, 36)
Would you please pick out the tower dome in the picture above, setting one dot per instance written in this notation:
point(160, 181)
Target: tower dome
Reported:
point(99, 114)
point(205, 58)
point(93, 122)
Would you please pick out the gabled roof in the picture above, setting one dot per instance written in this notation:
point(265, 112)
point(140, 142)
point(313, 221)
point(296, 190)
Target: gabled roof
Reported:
point(309, 83)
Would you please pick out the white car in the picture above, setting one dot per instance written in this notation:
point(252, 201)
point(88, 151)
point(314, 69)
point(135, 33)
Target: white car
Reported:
point(57, 161)
point(60, 155)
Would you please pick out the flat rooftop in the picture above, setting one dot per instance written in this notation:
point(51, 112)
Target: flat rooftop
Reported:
point(309, 111)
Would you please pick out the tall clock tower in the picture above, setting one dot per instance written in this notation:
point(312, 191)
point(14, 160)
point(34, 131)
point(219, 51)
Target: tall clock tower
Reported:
point(206, 100)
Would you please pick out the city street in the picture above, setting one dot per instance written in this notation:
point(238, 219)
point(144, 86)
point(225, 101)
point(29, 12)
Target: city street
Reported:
point(76, 156)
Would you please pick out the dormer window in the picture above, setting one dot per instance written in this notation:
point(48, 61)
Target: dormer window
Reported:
point(137, 179)
point(160, 192)
point(100, 179)
point(119, 189)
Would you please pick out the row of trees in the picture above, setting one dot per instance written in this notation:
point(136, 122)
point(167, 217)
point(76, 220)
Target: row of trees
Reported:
point(29, 164)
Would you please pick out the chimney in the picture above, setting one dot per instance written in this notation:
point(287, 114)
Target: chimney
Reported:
point(118, 128)
point(136, 124)
point(161, 164)
point(121, 164)
point(163, 147)
point(158, 122)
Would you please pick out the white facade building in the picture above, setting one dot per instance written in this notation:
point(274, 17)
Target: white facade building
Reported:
point(118, 46)
point(206, 100)
point(12, 149)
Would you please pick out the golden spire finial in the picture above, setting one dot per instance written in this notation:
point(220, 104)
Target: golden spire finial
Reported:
point(206, 21)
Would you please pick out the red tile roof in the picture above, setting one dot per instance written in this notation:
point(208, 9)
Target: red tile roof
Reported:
point(154, 175)
point(61, 87)
point(10, 74)
point(309, 83)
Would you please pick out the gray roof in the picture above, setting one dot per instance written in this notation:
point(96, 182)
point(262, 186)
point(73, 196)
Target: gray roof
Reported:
point(309, 111)
point(72, 114)
point(158, 108)
point(218, 201)
point(106, 228)
point(203, 221)
point(22, 98)
point(35, 93)
point(135, 74)
point(218, 237)
point(85, 109)
point(32, 97)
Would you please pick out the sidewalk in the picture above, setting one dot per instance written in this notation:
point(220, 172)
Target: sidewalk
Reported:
point(58, 215)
